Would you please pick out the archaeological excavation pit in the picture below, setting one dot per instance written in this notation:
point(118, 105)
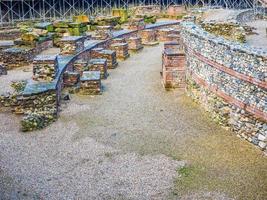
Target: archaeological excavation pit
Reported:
point(133, 99)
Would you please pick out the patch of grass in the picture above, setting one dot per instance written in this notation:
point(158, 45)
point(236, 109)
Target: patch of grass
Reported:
point(190, 179)
point(185, 171)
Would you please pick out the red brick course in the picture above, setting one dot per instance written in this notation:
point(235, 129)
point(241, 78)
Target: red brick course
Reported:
point(251, 109)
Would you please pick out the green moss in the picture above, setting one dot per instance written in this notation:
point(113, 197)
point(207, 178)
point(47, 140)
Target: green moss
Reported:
point(185, 171)
point(189, 177)
point(196, 178)
point(18, 86)
point(122, 13)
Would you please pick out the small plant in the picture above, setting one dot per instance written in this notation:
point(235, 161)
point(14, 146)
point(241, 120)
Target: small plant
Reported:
point(18, 86)
point(185, 171)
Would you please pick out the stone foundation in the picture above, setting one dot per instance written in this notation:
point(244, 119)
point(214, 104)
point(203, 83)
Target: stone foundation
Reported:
point(71, 45)
point(5, 44)
point(176, 10)
point(39, 110)
point(103, 33)
point(17, 57)
point(118, 40)
point(173, 68)
point(39, 101)
point(149, 37)
point(80, 66)
point(45, 68)
point(22, 56)
point(109, 55)
point(9, 34)
point(135, 43)
point(172, 45)
point(173, 37)
point(90, 83)
point(122, 51)
point(99, 65)
point(148, 10)
point(163, 34)
point(137, 24)
point(71, 79)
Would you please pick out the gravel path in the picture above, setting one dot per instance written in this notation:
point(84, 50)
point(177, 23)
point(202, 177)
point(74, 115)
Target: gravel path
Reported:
point(129, 143)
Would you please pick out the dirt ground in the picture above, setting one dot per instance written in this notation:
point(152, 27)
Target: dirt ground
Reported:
point(136, 141)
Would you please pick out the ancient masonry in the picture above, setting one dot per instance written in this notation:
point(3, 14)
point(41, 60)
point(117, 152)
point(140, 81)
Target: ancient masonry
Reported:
point(45, 68)
point(109, 55)
point(99, 64)
point(78, 69)
point(71, 45)
point(137, 24)
point(122, 50)
point(173, 65)
point(91, 83)
point(135, 44)
point(229, 80)
point(149, 37)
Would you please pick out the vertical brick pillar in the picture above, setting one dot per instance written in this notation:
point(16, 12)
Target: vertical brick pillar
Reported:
point(71, 45)
point(149, 37)
point(45, 68)
point(135, 43)
point(173, 68)
point(99, 65)
point(121, 50)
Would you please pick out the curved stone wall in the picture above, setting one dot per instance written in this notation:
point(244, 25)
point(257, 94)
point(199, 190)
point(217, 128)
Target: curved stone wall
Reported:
point(230, 80)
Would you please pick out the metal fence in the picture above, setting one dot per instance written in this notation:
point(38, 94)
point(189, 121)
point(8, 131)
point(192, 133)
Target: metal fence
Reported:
point(12, 11)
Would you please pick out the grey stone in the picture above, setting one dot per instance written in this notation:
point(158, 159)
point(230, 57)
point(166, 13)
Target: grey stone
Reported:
point(262, 145)
point(261, 137)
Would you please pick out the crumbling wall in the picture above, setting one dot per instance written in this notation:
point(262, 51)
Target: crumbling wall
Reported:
point(9, 34)
point(229, 80)
point(230, 31)
point(38, 110)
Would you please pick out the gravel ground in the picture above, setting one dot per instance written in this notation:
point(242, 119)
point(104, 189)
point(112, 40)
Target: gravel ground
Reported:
point(259, 39)
point(130, 143)
point(219, 15)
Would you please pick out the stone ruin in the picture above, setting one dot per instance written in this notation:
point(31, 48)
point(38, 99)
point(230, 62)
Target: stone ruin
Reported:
point(173, 65)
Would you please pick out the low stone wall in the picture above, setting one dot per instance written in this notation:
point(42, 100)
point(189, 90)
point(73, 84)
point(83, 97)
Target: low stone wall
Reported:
point(9, 34)
point(39, 110)
point(22, 56)
point(147, 10)
point(229, 80)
